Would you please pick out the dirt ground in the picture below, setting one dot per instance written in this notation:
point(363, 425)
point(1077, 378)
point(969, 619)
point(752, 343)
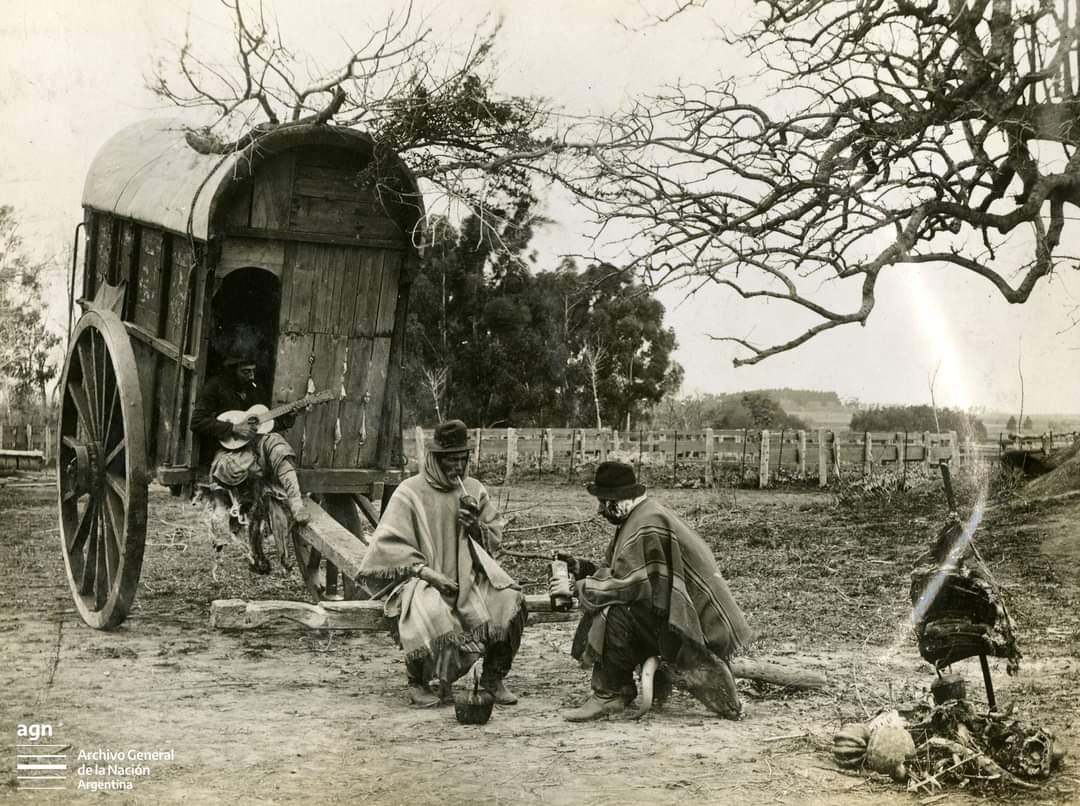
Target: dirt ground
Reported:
point(286, 715)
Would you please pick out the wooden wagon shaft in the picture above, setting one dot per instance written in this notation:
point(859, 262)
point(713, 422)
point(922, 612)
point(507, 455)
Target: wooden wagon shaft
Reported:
point(237, 614)
point(332, 540)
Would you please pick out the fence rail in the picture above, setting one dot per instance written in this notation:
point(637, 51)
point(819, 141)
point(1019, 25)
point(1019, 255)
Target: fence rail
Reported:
point(764, 455)
point(709, 454)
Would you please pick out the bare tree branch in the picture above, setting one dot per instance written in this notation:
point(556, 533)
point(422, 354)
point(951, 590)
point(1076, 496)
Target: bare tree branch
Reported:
point(900, 132)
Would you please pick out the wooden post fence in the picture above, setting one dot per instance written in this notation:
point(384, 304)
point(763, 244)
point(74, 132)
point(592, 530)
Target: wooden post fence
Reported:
point(822, 460)
point(511, 452)
point(763, 461)
point(708, 457)
point(802, 454)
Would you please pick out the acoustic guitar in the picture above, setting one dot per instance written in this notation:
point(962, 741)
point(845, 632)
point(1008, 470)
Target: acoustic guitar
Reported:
point(266, 416)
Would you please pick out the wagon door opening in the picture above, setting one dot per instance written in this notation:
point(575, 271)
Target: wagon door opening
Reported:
point(244, 314)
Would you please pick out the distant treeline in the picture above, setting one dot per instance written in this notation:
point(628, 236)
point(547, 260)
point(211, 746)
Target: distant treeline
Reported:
point(918, 418)
point(768, 408)
point(755, 410)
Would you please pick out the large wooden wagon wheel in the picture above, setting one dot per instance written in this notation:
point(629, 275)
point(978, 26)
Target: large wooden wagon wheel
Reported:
point(322, 578)
point(101, 470)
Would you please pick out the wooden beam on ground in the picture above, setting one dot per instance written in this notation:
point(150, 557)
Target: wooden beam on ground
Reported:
point(332, 540)
point(237, 614)
point(778, 673)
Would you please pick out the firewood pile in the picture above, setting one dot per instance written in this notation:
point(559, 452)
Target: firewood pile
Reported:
point(955, 745)
point(950, 744)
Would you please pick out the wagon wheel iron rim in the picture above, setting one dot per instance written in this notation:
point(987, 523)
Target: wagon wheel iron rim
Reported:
point(101, 470)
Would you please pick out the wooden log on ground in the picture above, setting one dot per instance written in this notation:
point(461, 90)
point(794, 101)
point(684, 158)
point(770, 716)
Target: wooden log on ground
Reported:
point(778, 673)
point(237, 614)
point(367, 615)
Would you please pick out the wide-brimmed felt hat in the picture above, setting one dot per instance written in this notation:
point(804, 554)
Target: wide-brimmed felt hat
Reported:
point(451, 436)
point(240, 356)
point(615, 481)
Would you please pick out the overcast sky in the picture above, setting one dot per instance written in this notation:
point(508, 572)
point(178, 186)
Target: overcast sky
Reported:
point(72, 73)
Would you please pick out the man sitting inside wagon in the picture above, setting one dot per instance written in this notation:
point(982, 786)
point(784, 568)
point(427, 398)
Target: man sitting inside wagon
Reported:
point(449, 602)
point(253, 484)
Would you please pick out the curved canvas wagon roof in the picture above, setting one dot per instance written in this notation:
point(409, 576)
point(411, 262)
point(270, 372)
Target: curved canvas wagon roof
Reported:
point(148, 172)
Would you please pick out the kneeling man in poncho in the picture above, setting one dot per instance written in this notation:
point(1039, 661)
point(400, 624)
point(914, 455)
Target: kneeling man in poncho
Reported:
point(449, 602)
point(659, 594)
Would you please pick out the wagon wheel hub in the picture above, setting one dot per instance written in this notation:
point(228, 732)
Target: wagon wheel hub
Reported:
point(84, 472)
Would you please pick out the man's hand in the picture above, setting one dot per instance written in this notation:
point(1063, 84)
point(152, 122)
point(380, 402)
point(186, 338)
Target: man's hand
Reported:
point(469, 518)
point(441, 582)
point(578, 567)
point(245, 429)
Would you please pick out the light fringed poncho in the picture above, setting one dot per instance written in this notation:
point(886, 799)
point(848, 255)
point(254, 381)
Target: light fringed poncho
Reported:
point(420, 525)
point(656, 560)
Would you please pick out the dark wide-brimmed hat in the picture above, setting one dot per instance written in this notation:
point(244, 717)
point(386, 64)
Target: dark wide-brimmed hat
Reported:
point(239, 357)
point(451, 436)
point(615, 481)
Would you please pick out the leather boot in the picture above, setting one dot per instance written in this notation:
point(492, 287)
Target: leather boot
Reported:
point(502, 695)
point(289, 481)
point(422, 696)
point(599, 704)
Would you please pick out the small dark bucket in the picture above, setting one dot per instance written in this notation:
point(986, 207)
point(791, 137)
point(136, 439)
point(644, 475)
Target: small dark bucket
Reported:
point(474, 708)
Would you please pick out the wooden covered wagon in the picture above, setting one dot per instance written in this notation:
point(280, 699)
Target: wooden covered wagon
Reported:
point(284, 241)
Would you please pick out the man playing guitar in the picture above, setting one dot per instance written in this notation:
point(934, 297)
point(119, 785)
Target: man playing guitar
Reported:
point(262, 469)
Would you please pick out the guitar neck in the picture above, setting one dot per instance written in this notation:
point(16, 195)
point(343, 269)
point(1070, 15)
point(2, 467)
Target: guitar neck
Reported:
point(286, 408)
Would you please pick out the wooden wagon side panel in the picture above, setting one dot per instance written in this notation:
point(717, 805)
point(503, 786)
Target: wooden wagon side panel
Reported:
point(104, 226)
point(382, 353)
point(148, 292)
point(368, 353)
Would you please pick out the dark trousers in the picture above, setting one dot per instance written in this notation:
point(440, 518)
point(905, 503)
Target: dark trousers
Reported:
point(632, 634)
point(498, 657)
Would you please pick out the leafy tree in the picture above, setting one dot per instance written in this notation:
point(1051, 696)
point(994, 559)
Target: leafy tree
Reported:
point(878, 134)
point(26, 344)
point(524, 348)
point(611, 312)
point(1027, 424)
point(1010, 424)
point(767, 413)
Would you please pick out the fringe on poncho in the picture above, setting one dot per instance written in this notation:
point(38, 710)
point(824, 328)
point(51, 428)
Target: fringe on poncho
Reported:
point(420, 525)
point(656, 559)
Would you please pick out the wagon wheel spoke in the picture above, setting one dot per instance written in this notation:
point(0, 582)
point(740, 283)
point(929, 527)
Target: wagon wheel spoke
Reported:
point(116, 485)
point(88, 412)
point(114, 521)
point(101, 574)
point(110, 412)
point(101, 363)
point(82, 531)
point(89, 568)
point(82, 409)
point(117, 450)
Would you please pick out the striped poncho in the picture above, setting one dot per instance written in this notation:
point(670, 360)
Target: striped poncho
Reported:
point(657, 560)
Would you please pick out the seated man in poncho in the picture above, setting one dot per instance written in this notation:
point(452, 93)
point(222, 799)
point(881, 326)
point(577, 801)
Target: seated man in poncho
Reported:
point(659, 594)
point(449, 601)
